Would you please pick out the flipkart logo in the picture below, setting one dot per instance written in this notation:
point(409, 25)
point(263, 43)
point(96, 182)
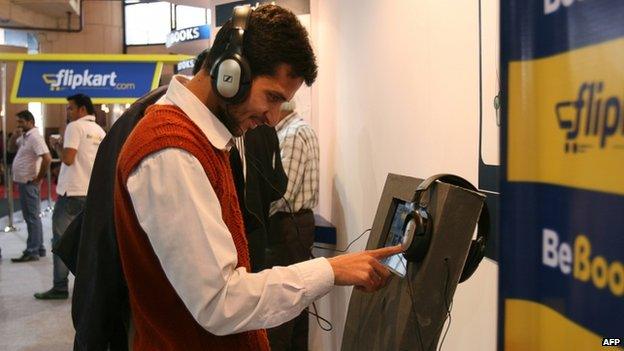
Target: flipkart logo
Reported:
point(580, 262)
point(591, 121)
point(68, 79)
point(564, 121)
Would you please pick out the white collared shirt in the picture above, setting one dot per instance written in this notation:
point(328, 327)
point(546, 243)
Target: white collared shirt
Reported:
point(84, 136)
point(27, 161)
point(177, 207)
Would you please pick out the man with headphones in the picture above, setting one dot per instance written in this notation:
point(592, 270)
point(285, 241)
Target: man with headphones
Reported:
point(259, 178)
point(178, 223)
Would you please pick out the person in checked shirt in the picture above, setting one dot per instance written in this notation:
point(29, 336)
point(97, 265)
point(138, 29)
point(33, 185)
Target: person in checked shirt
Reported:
point(292, 220)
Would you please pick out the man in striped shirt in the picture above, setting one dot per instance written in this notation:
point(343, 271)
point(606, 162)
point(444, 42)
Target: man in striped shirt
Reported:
point(29, 168)
point(292, 220)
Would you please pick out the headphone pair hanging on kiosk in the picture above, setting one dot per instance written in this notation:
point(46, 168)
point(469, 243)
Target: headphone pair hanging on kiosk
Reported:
point(230, 73)
point(418, 226)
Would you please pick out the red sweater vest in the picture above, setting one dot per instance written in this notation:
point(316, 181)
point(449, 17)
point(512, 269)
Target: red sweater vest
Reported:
point(160, 318)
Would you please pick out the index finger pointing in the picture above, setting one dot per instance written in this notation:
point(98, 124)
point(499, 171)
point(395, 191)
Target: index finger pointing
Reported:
point(385, 251)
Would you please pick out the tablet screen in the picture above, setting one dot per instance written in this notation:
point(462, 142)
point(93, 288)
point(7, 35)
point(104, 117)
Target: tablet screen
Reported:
point(394, 236)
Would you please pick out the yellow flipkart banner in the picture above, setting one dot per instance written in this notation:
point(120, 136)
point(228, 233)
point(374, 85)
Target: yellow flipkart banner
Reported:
point(566, 123)
point(532, 326)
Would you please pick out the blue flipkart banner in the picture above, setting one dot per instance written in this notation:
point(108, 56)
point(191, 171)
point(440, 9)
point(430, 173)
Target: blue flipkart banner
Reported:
point(104, 82)
point(562, 194)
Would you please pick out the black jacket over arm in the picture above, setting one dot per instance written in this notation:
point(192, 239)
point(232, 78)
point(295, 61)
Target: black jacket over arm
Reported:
point(89, 247)
point(266, 182)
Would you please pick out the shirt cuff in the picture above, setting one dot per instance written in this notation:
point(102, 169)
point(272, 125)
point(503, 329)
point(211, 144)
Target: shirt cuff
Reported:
point(317, 276)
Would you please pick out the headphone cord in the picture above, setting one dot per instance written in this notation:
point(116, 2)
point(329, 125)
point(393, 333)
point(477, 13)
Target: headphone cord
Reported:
point(309, 251)
point(319, 319)
point(412, 304)
point(449, 305)
point(348, 246)
point(290, 211)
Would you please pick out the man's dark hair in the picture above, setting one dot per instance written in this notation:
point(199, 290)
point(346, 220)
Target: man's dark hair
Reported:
point(82, 100)
point(199, 61)
point(273, 36)
point(26, 116)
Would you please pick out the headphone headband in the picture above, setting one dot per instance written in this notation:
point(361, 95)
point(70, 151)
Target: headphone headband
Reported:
point(445, 178)
point(230, 73)
point(483, 226)
point(417, 226)
point(240, 17)
point(240, 20)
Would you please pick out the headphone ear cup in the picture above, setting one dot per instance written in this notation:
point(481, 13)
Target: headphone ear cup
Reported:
point(409, 228)
point(214, 76)
point(475, 255)
point(231, 77)
point(421, 237)
point(245, 80)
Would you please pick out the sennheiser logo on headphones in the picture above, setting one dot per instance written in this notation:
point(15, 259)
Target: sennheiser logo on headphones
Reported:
point(592, 120)
point(228, 78)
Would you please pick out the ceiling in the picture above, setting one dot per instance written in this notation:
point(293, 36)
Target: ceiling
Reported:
point(196, 3)
point(52, 8)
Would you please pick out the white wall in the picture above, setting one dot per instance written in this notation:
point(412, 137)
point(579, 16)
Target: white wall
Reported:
point(397, 92)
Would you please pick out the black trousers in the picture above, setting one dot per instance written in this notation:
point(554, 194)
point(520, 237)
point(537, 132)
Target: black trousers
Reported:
point(289, 241)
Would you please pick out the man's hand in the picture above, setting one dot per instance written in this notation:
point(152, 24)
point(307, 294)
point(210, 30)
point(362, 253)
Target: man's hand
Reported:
point(36, 181)
point(363, 269)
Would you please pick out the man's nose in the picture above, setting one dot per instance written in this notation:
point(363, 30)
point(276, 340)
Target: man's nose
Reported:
point(273, 116)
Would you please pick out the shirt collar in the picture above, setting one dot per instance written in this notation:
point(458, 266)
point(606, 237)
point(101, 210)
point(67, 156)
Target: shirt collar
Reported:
point(213, 129)
point(90, 118)
point(285, 121)
point(32, 130)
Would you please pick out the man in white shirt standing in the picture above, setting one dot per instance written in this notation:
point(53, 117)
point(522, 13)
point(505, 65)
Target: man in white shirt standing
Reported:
point(29, 168)
point(79, 147)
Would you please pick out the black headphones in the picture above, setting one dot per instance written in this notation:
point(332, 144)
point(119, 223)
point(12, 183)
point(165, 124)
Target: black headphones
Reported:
point(417, 227)
point(230, 73)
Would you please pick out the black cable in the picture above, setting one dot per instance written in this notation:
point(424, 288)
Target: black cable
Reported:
point(447, 328)
point(348, 246)
point(319, 319)
point(290, 211)
point(412, 303)
point(449, 305)
point(292, 217)
point(264, 226)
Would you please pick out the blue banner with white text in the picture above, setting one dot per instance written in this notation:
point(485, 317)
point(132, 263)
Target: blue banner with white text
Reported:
point(52, 81)
point(188, 34)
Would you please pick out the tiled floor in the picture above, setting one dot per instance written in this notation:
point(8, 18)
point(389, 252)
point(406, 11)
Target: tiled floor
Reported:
point(26, 323)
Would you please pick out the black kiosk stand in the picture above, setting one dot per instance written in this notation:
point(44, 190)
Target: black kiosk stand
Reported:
point(409, 314)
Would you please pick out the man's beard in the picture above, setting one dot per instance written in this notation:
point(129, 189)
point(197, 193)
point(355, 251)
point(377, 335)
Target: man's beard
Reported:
point(228, 120)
